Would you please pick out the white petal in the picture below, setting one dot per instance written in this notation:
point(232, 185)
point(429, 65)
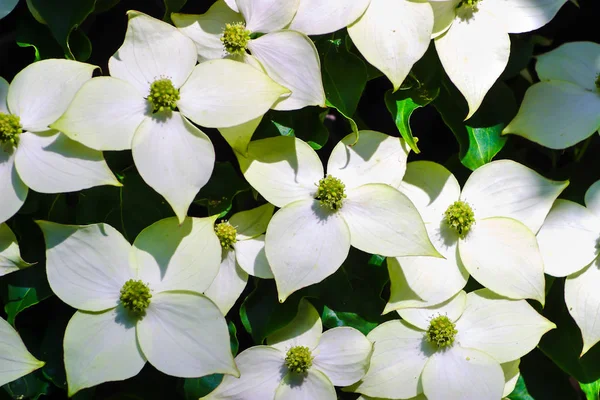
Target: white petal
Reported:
point(229, 283)
point(173, 256)
point(291, 59)
point(239, 136)
point(503, 255)
point(174, 158)
point(206, 29)
point(232, 4)
point(506, 188)
point(104, 114)
point(444, 13)
point(431, 188)
point(502, 328)
point(184, 334)
point(10, 256)
point(583, 302)
point(304, 330)
point(15, 360)
point(226, 93)
point(267, 15)
point(252, 223)
point(261, 370)
point(556, 114)
point(316, 17)
point(42, 91)
point(421, 317)
point(101, 348)
point(402, 31)
point(592, 198)
point(86, 264)
point(251, 257)
point(152, 50)
point(474, 52)
point(313, 385)
point(465, 374)
point(375, 158)
point(511, 376)
point(384, 221)
point(519, 16)
point(304, 245)
point(53, 163)
point(399, 355)
point(343, 354)
point(3, 94)
point(7, 6)
point(567, 240)
point(576, 62)
point(12, 189)
point(282, 169)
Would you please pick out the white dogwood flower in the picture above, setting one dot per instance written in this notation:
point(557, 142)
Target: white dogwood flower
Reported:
point(10, 256)
point(299, 362)
point(564, 108)
point(466, 348)
point(138, 303)
point(15, 360)
point(321, 216)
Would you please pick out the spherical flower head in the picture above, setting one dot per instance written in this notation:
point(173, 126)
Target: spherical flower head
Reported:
point(298, 359)
point(331, 193)
point(466, 9)
point(235, 38)
point(163, 95)
point(441, 332)
point(135, 296)
point(460, 217)
point(10, 128)
point(226, 233)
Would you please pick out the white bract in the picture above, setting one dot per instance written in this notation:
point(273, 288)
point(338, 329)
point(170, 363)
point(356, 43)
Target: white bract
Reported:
point(356, 204)
point(31, 154)
point(392, 35)
point(6, 6)
point(467, 348)
point(564, 108)
point(287, 56)
point(15, 360)
point(154, 73)
point(242, 241)
point(471, 38)
point(488, 229)
point(569, 242)
point(299, 363)
point(10, 256)
point(138, 303)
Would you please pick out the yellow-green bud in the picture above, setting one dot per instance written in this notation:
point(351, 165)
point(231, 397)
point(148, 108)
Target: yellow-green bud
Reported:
point(226, 233)
point(298, 359)
point(460, 217)
point(10, 129)
point(163, 95)
point(331, 193)
point(235, 38)
point(441, 332)
point(135, 296)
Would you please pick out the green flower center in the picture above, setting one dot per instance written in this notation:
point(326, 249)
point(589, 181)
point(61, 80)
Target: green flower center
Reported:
point(226, 233)
point(10, 129)
point(331, 192)
point(235, 38)
point(441, 332)
point(466, 8)
point(135, 296)
point(163, 95)
point(460, 217)
point(298, 359)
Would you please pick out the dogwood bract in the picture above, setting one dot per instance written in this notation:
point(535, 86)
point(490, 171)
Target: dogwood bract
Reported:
point(10, 256)
point(242, 241)
point(471, 38)
point(300, 362)
point(153, 75)
point(465, 348)
point(489, 229)
point(31, 154)
point(564, 108)
point(356, 204)
point(15, 360)
point(138, 303)
point(569, 245)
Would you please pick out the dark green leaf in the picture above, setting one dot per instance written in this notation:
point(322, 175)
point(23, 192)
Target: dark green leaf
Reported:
point(172, 6)
point(51, 347)
point(520, 392)
point(224, 184)
point(591, 390)
point(521, 52)
point(105, 5)
point(30, 33)
point(24, 289)
point(31, 386)
point(305, 124)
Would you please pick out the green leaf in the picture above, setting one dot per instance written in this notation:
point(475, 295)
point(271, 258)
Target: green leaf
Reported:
point(520, 392)
point(30, 33)
point(172, 6)
point(521, 52)
point(51, 347)
point(31, 386)
point(224, 184)
point(305, 124)
point(591, 390)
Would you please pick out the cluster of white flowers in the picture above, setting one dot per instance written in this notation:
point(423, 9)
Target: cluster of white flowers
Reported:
point(163, 298)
